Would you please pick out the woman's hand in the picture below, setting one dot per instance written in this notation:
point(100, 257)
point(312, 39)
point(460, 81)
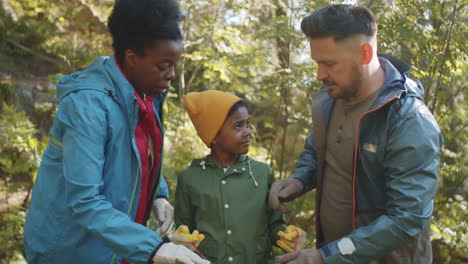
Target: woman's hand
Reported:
point(170, 253)
point(164, 214)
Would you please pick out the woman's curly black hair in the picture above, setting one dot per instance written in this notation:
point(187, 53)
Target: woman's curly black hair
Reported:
point(137, 24)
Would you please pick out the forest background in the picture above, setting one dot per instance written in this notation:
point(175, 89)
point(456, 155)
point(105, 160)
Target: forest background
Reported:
point(251, 47)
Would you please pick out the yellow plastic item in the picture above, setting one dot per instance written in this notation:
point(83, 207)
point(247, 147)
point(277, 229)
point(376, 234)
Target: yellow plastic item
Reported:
point(292, 239)
point(183, 236)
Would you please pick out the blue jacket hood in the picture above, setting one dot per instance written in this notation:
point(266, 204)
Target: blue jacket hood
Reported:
point(94, 77)
point(101, 76)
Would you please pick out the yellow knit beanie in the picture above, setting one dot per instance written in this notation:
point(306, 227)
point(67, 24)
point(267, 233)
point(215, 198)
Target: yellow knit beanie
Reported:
point(208, 110)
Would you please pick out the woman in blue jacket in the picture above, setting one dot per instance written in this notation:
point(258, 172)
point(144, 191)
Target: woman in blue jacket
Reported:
point(101, 170)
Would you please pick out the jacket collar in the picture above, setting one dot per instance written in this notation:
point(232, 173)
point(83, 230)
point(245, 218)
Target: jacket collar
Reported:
point(124, 93)
point(393, 86)
point(240, 166)
point(243, 165)
point(208, 162)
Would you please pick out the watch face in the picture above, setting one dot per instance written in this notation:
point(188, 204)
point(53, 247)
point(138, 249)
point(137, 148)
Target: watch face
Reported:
point(346, 246)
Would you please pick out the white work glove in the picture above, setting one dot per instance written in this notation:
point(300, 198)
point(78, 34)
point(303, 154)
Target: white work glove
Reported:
point(164, 214)
point(170, 253)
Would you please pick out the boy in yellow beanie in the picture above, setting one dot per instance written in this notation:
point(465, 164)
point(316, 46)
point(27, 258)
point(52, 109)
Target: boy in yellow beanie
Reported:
point(224, 196)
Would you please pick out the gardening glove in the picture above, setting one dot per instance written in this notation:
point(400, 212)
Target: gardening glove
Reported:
point(292, 239)
point(182, 236)
point(164, 214)
point(170, 253)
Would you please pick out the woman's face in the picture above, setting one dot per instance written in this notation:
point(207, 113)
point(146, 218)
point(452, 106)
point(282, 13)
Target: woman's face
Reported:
point(151, 73)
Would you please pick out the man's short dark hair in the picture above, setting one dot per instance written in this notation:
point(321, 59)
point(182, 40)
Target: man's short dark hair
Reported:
point(340, 21)
point(137, 24)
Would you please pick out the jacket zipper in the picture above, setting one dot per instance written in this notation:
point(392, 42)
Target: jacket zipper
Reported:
point(156, 185)
point(356, 150)
point(130, 206)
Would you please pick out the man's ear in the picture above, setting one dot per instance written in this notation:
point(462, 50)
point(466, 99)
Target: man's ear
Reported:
point(366, 53)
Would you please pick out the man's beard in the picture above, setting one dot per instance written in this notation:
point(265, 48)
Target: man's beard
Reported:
point(349, 91)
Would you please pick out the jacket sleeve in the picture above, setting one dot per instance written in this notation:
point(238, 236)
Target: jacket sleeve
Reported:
point(84, 119)
point(411, 169)
point(306, 165)
point(163, 190)
point(276, 219)
point(184, 214)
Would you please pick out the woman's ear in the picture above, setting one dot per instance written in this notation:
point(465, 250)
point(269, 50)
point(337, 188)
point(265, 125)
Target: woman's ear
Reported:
point(130, 58)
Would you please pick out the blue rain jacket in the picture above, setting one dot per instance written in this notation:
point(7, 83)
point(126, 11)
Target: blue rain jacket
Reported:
point(87, 189)
point(396, 159)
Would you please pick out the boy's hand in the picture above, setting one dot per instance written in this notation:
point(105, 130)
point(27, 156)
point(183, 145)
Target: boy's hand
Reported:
point(292, 239)
point(182, 236)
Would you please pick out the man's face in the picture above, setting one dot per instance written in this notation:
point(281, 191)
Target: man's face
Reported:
point(338, 66)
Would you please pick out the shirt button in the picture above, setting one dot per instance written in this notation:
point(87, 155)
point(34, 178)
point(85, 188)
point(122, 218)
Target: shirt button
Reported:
point(243, 169)
point(223, 182)
point(230, 259)
point(235, 169)
point(226, 206)
point(229, 232)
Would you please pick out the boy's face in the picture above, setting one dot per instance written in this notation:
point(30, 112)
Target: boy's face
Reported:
point(234, 135)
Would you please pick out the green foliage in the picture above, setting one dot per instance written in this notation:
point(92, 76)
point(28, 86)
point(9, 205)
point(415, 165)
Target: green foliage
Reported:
point(20, 152)
point(256, 50)
point(7, 91)
point(72, 32)
point(11, 235)
point(449, 235)
point(20, 149)
point(181, 142)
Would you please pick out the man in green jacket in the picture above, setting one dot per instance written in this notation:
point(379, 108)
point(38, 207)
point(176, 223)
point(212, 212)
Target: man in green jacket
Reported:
point(374, 151)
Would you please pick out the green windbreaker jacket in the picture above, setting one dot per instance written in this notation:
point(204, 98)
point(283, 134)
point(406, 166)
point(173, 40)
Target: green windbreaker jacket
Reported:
point(229, 209)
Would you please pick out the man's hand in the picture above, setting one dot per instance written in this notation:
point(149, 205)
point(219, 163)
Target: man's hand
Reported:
point(284, 190)
point(170, 253)
point(164, 214)
point(305, 256)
